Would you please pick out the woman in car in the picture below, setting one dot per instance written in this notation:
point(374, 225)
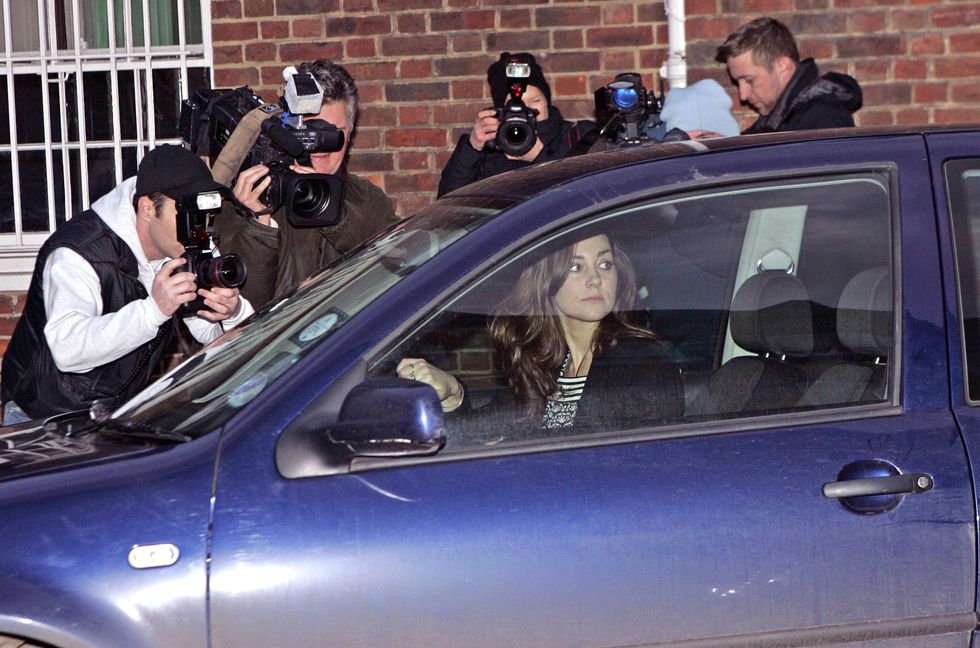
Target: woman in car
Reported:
point(571, 354)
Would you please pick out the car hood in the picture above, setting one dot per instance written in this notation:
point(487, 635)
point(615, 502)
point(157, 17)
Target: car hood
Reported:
point(39, 446)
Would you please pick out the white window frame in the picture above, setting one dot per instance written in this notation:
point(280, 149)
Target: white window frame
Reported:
point(19, 249)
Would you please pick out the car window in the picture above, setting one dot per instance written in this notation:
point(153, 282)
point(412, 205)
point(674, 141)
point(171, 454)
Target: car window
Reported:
point(761, 298)
point(963, 188)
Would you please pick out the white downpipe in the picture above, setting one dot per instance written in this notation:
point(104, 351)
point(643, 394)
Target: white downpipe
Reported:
point(675, 69)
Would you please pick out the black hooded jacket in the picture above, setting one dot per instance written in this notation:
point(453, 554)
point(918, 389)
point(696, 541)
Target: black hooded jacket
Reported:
point(810, 101)
point(469, 165)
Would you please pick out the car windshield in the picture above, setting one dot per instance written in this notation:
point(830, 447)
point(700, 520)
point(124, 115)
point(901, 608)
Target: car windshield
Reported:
point(208, 388)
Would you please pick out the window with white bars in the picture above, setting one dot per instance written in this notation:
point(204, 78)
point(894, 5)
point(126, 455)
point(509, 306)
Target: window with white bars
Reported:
point(86, 88)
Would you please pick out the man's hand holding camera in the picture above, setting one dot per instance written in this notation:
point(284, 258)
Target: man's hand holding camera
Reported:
point(249, 186)
point(173, 288)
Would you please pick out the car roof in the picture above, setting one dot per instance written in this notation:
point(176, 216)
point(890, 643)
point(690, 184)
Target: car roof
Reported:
point(521, 184)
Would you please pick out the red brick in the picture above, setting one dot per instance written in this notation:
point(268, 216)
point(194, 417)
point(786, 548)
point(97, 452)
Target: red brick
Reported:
point(955, 115)
point(412, 161)
point(259, 8)
point(866, 22)
point(619, 61)
point(464, 4)
point(760, 6)
point(458, 20)
point(912, 116)
point(655, 12)
point(12, 303)
point(260, 52)
point(7, 325)
point(570, 85)
point(372, 71)
point(411, 24)
point(413, 45)
point(927, 44)
point(305, 7)
point(871, 70)
point(358, 5)
point(618, 37)
point(517, 41)
point(416, 137)
point(225, 9)
point(311, 51)
point(409, 204)
point(911, 69)
point(812, 5)
point(713, 28)
point(571, 39)
point(887, 94)
point(406, 5)
point(876, 117)
point(573, 62)
point(361, 48)
point(235, 76)
point(412, 182)
point(274, 29)
point(466, 42)
point(930, 93)
point(226, 54)
point(359, 26)
point(515, 19)
point(460, 66)
point(968, 42)
point(904, 20)
point(959, 67)
point(956, 16)
point(435, 91)
point(653, 58)
point(470, 89)
point(415, 69)
point(375, 115)
point(870, 45)
point(366, 140)
point(566, 16)
point(365, 162)
point(966, 93)
point(234, 31)
point(415, 115)
point(818, 48)
point(617, 14)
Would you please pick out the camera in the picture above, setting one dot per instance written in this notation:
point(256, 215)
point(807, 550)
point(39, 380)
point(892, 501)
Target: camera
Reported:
point(629, 112)
point(227, 271)
point(208, 120)
point(517, 132)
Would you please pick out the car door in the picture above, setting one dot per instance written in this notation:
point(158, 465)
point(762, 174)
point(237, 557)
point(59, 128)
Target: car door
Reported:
point(771, 512)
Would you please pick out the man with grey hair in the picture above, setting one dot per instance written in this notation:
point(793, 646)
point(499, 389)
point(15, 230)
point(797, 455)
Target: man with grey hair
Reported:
point(279, 256)
point(789, 94)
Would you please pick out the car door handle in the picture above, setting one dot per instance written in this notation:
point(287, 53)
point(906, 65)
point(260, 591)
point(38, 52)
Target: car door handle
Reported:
point(892, 485)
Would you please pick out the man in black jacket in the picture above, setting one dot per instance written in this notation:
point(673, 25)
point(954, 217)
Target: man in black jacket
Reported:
point(475, 158)
point(789, 94)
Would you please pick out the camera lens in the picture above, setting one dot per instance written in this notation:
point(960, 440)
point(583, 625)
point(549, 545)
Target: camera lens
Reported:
point(624, 98)
point(227, 271)
point(311, 198)
point(516, 136)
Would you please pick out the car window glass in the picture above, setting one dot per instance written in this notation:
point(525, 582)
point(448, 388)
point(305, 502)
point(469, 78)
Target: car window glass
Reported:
point(963, 186)
point(761, 298)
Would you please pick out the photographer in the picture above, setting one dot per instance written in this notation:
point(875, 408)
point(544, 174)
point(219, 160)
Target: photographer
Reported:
point(476, 157)
point(278, 255)
point(106, 286)
point(789, 94)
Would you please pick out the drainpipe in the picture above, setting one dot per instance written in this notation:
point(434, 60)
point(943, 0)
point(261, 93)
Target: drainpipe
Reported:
point(675, 69)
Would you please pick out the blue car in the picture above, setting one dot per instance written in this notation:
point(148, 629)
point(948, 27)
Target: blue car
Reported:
point(800, 473)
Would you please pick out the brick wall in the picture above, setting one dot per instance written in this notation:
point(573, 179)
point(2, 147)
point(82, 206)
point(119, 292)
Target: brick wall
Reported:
point(420, 64)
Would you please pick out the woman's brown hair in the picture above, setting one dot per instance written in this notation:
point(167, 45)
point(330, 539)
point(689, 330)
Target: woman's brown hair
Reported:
point(527, 333)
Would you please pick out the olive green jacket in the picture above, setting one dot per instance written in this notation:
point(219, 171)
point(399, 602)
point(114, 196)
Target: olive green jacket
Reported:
point(277, 259)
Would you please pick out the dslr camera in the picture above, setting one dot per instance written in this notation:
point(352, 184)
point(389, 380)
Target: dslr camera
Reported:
point(629, 112)
point(208, 120)
point(517, 132)
point(227, 271)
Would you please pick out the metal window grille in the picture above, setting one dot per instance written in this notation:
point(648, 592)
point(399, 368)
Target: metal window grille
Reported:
point(87, 87)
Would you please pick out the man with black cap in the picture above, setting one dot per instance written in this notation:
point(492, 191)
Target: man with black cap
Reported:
point(106, 285)
point(475, 158)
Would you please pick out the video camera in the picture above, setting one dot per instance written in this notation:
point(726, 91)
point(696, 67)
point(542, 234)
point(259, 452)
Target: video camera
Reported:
point(629, 112)
point(227, 271)
point(208, 120)
point(517, 132)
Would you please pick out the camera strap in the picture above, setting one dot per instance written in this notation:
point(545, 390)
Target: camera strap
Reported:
point(229, 161)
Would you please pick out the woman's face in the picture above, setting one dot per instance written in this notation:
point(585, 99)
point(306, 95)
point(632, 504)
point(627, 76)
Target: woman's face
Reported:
point(589, 291)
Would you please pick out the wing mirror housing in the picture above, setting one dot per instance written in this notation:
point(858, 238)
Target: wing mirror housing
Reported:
point(390, 417)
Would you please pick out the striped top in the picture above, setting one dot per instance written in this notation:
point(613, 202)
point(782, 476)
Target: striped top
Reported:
point(562, 406)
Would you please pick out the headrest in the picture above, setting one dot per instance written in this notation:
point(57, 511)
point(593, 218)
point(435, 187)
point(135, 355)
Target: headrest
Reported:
point(771, 314)
point(864, 313)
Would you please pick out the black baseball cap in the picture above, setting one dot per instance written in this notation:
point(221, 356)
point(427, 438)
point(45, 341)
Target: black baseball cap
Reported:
point(175, 172)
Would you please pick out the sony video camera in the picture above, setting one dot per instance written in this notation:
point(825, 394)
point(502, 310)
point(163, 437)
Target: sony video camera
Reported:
point(227, 271)
point(517, 132)
point(311, 199)
point(629, 112)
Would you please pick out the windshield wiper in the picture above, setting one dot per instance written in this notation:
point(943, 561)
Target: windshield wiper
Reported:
point(125, 429)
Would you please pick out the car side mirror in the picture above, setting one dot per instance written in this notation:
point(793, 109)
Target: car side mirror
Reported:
point(390, 417)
